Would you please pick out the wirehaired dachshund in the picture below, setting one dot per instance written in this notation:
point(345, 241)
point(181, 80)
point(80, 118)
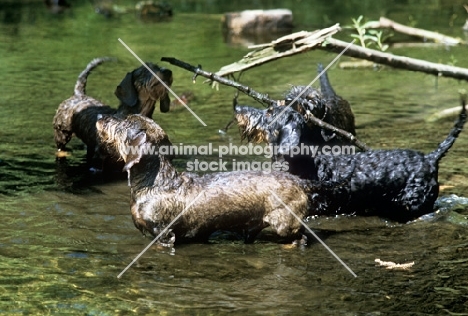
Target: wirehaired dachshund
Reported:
point(138, 93)
point(398, 184)
point(238, 201)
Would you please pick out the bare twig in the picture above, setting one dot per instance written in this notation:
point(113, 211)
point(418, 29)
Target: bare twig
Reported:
point(451, 112)
point(311, 119)
point(396, 61)
point(288, 45)
point(437, 37)
point(262, 98)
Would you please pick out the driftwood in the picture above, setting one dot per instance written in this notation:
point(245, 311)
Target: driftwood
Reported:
point(451, 112)
point(258, 21)
point(396, 61)
point(288, 45)
point(263, 98)
point(397, 27)
point(260, 97)
point(269, 52)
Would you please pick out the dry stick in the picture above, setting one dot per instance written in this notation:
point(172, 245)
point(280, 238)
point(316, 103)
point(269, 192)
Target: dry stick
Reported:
point(396, 61)
point(301, 42)
point(309, 117)
point(284, 46)
point(263, 98)
point(437, 37)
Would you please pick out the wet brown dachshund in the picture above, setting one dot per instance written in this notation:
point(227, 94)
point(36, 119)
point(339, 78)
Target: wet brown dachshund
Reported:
point(138, 93)
point(242, 202)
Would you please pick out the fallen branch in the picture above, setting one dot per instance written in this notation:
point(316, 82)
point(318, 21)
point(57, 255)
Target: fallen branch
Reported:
point(397, 27)
point(260, 97)
point(263, 98)
point(288, 45)
point(395, 60)
point(310, 118)
point(267, 52)
point(451, 112)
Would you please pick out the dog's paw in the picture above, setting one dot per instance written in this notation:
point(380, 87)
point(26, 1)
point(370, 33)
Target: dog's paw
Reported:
point(62, 153)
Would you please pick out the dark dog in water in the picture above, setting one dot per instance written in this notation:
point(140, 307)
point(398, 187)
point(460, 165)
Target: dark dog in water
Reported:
point(285, 126)
point(242, 202)
point(259, 125)
point(400, 184)
point(324, 104)
point(282, 127)
point(138, 93)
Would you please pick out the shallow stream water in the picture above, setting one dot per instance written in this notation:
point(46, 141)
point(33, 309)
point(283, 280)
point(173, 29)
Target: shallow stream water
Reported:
point(65, 234)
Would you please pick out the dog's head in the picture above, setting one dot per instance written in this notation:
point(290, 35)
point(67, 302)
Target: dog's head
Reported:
point(251, 122)
point(304, 98)
point(133, 137)
point(278, 125)
point(140, 89)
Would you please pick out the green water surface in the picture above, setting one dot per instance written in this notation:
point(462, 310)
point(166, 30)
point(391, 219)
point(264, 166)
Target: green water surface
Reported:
point(66, 234)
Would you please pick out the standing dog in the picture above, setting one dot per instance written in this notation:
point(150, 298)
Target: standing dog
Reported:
point(138, 93)
point(399, 184)
point(235, 201)
point(324, 104)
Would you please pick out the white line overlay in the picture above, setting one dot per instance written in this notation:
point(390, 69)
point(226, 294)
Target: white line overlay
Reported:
point(312, 82)
point(316, 237)
point(162, 82)
point(159, 236)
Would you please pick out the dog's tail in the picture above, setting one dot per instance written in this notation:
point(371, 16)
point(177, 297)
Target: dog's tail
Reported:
point(80, 86)
point(325, 86)
point(444, 146)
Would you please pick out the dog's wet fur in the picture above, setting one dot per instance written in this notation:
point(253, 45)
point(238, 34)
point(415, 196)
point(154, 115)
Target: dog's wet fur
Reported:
point(258, 125)
point(240, 202)
point(324, 104)
point(138, 93)
point(399, 184)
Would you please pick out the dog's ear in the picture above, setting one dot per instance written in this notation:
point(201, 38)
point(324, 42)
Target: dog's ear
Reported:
point(135, 139)
point(165, 103)
point(126, 91)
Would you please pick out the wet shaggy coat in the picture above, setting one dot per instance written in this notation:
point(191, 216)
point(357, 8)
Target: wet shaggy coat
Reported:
point(138, 93)
point(399, 184)
point(259, 125)
point(235, 201)
point(324, 104)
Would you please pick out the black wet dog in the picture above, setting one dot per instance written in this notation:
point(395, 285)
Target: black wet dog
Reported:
point(257, 124)
point(286, 125)
point(400, 184)
point(324, 104)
